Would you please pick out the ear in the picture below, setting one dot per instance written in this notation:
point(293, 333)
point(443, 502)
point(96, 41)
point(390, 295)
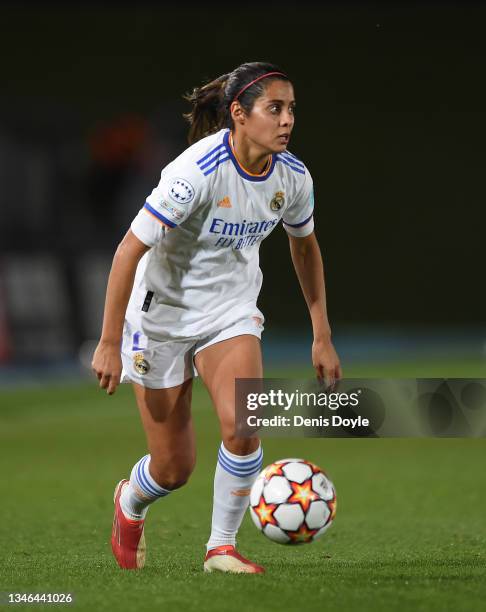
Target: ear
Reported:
point(237, 113)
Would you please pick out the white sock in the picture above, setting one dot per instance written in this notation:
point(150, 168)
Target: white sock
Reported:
point(141, 491)
point(233, 479)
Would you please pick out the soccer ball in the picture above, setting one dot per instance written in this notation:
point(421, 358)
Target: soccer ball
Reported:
point(293, 502)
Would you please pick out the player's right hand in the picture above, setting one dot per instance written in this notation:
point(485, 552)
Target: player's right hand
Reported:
point(107, 365)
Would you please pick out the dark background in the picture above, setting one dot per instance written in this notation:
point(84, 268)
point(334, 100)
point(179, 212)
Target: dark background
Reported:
point(390, 121)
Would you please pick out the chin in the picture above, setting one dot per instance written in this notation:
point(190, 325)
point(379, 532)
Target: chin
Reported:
point(280, 148)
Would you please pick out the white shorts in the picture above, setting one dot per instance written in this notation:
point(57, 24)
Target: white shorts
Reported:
point(160, 364)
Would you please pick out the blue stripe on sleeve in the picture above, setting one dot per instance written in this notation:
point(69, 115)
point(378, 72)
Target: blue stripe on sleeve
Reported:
point(292, 159)
point(221, 160)
point(292, 155)
point(159, 215)
point(298, 224)
point(212, 159)
point(290, 165)
point(208, 155)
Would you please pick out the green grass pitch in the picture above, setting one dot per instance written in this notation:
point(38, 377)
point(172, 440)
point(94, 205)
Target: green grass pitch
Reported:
point(410, 530)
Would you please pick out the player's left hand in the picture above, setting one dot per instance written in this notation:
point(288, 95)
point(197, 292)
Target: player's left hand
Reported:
point(326, 362)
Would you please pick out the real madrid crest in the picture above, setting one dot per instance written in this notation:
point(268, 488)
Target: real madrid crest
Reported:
point(277, 201)
point(140, 364)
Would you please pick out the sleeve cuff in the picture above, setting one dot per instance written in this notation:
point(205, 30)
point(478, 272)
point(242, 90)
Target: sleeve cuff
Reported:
point(301, 231)
point(147, 230)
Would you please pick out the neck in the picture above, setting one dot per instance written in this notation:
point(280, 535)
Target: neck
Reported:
point(249, 155)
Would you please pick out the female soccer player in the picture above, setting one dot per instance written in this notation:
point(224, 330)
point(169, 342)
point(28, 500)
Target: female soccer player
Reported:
point(182, 296)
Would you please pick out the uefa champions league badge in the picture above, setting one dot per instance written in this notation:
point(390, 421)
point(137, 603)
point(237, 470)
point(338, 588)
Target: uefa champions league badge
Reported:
point(140, 364)
point(277, 201)
point(181, 191)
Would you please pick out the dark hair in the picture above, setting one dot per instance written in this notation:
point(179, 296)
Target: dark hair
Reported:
point(211, 102)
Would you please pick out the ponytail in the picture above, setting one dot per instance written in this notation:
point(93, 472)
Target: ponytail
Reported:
point(211, 102)
point(208, 113)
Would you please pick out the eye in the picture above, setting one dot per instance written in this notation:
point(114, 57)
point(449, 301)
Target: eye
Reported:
point(275, 109)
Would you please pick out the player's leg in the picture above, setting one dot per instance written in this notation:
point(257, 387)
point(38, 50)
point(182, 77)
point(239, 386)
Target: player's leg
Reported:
point(166, 418)
point(239, 460)
point(167, 422)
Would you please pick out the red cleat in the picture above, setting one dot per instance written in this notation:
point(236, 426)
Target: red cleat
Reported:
point(127, 538)
point(226, 559)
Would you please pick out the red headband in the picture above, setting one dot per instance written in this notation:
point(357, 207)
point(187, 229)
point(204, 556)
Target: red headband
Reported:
point(267, 74)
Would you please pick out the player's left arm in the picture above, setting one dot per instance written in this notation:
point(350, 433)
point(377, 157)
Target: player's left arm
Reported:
point(307, 260)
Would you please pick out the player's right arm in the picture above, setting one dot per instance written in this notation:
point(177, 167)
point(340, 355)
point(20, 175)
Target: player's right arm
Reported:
point(169, 204)
point(106, 359)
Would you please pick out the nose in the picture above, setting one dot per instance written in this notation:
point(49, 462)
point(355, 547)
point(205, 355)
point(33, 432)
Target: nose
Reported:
point(286, 118)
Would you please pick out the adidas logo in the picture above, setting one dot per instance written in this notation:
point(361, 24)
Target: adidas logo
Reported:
point(225, 202)
point(241, 492)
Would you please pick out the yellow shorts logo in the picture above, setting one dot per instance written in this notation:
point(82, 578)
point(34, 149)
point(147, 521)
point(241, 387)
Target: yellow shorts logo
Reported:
point(140, 364)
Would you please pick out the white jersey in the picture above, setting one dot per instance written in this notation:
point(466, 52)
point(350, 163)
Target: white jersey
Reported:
point(204, 274)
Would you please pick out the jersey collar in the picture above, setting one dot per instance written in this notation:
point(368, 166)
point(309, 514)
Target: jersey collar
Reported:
point(239, 168)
